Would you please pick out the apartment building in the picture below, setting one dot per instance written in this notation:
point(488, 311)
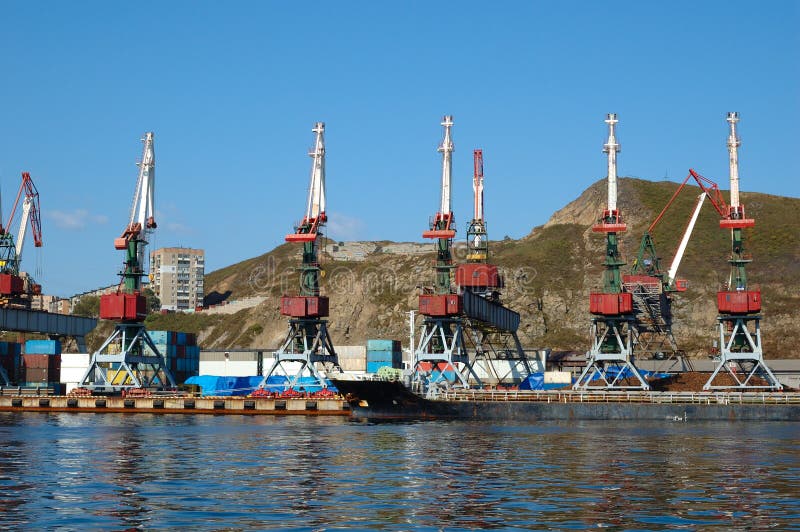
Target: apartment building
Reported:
point(177, 277)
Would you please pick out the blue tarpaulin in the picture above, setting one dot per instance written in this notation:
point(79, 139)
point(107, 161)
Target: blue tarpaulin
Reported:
point(535, 381)
point(223, 386)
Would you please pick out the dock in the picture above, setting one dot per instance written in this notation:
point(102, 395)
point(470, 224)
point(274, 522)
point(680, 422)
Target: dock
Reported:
point(176, 405)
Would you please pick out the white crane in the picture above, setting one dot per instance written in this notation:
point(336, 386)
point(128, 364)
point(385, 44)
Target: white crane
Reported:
point(676, 260)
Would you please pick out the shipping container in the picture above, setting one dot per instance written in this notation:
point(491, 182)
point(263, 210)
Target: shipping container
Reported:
point(11, 284)
point(373, 367)
point(383, 345)
point(159, 337)
point(41, 361)
point(40, 375)
point(43, 347)
point(491, 312)
point(391, 358)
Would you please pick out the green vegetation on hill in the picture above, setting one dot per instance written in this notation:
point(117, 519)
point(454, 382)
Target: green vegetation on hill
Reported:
point(548, 276)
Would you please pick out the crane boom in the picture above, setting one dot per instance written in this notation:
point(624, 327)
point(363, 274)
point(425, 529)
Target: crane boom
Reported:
point(477, 184)
point(142, 208)
point(446, 149)
point(315, 217)
point(676, 261)
point(733, 155)
point(316, 191)
point(611, 147)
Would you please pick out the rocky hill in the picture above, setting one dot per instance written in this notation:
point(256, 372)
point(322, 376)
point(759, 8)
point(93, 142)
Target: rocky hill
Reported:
point(549, 274)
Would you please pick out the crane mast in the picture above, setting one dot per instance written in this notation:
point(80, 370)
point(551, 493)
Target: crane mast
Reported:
point(442, 227)
point(611, 221)
point(477, 242)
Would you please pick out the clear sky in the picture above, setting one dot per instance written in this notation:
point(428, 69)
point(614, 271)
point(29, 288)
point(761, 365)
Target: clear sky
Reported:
point(232, 90)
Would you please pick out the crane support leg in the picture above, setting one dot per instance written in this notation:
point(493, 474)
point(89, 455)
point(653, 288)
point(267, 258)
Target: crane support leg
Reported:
point(741, 349)
point(611, 357)
point(307, 344)
point(124, 362)
point(441, 360)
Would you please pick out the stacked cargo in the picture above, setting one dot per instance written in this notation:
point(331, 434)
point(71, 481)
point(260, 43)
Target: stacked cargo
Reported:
point(381, 353)
point(10, 356)
point(180, 352)
point(352, 357)
point(41, 364)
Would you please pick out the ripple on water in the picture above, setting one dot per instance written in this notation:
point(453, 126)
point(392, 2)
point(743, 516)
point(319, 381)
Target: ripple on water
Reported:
point(224, 472)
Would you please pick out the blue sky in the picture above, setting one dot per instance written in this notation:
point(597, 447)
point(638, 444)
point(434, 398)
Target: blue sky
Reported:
point(232, 90)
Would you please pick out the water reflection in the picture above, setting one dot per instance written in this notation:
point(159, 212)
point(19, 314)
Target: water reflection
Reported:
point(215, 472)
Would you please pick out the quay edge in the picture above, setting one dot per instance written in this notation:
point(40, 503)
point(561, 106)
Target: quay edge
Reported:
point(176, 405)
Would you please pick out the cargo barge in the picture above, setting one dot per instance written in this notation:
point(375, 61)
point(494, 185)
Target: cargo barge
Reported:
point(332, 406)
point(382, 399)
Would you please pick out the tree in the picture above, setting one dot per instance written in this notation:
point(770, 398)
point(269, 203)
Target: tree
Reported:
point(153, 302)
point(88, 306)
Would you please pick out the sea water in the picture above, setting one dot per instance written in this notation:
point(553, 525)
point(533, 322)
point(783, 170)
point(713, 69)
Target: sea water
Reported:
point(140, 471)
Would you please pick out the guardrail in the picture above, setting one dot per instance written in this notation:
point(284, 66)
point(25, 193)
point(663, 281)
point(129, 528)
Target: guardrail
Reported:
point(723, 398)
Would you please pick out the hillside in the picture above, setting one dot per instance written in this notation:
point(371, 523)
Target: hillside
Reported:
point(549, 274)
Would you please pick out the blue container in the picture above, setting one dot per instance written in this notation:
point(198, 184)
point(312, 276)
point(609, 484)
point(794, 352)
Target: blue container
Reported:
point(383, 345)
point(389, 358)
point(159, 337)
point(43, 347)
point(379, 356)
point(373, 367)
point(181, 338)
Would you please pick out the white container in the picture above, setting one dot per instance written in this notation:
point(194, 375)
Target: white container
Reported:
point(557, 377)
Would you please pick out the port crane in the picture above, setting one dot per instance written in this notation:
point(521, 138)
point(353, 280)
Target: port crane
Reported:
point(611, 358)
point(492, 327)
point(129, 352)
point(307, 343)
point(441, 357)
point(16, 288)
point(468, 311)
point(738, 304)
point(652, 286)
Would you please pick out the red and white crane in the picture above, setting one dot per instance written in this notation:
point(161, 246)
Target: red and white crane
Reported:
point(613, 323)
point(307, 341)
point(739, 305)
point(12, 284)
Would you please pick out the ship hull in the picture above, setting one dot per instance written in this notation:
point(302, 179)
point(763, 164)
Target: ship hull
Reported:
point(374, 400)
